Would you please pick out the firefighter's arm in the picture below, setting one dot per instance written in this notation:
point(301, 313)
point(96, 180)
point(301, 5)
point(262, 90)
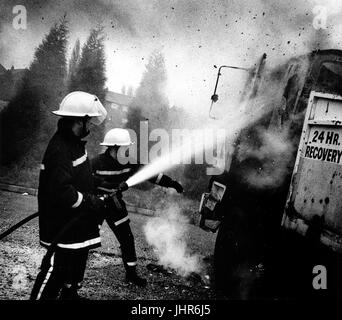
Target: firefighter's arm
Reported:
point(161, 179)
point(165, 181)
point(101, 183)
point(62, 190)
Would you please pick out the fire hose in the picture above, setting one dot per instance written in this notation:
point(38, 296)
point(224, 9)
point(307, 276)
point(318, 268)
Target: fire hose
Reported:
point(46, 264)
point(19, 224)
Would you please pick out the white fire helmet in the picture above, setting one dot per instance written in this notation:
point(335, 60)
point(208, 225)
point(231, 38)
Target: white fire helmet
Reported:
point(80, 104)
point(117, 137)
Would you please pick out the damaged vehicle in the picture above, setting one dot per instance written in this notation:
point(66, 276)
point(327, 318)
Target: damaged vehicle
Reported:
point(276, 208)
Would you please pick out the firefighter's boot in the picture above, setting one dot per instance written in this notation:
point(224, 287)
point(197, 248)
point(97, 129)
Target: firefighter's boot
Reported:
point(52, 288)
point(133, 277)
point(70, 293)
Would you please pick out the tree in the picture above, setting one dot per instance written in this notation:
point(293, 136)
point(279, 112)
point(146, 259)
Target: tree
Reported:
point(134, 118)
point(90, 72)
point(130, 91)
point(149, 102)
point(150, 95)
point(27, 120)
point(48, 69)
point(123, 89)
point(7, 85)
point(73, 63)
point(90, 76)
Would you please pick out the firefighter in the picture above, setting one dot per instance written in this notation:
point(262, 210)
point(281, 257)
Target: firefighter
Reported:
point(109, 173)
point(65, 190)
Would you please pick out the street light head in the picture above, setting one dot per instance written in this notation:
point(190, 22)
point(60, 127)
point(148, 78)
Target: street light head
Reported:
point(214, 97)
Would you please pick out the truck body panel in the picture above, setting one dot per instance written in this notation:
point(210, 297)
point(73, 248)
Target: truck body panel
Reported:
point(317, 176)
point(290, 224)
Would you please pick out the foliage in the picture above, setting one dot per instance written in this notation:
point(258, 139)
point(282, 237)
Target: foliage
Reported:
point(27, 122)
point(89, 75)
point(73, 63)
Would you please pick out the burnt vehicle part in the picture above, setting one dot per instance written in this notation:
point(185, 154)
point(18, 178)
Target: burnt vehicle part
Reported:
point(210, 217)
point(254, 80)
point(256, 254)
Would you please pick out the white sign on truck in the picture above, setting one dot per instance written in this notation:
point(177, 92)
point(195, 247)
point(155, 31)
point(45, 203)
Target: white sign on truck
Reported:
point(316, 185)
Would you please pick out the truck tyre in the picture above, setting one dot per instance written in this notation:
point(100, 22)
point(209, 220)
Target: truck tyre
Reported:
point(228, 257)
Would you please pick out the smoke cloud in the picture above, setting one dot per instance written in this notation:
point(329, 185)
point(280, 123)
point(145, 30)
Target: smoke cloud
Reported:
point(167, 235)
point(274, 153)
point(193, 35)
point(237, 117)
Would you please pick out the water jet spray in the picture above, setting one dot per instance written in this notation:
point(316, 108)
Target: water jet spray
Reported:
point(238, 118)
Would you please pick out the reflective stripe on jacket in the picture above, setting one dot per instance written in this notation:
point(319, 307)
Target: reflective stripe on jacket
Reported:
point(64, 177)
point(109, 173)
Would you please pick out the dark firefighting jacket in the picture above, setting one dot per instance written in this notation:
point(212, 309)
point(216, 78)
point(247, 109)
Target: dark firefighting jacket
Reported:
point(65, 177)
point(109, 173)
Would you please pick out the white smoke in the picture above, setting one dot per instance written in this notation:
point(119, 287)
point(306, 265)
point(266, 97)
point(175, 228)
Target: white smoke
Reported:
point(333, 6)
point(275, 154)
point(237, 117)
point(167, 235)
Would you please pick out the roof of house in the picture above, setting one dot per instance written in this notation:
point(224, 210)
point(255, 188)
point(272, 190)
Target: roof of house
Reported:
point(118, 98)
point(3, 104)
point(17, 74)
point(9, 81)
point(12, 70)
point(16, 71)
point(2, 69)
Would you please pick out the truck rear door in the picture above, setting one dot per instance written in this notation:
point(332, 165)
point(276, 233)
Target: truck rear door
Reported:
point(316, 185)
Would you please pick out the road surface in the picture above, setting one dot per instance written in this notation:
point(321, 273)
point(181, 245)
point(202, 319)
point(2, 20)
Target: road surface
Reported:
point(20, 258)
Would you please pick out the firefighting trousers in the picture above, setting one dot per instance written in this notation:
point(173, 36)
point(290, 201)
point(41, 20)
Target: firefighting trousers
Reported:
point(116, 216)
point(125, 237)
point(67, 268)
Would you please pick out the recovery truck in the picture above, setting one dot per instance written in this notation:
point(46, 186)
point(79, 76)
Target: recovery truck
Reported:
point(278, 207)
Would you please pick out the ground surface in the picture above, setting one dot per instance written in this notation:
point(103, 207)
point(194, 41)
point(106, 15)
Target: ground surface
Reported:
point(20, 258)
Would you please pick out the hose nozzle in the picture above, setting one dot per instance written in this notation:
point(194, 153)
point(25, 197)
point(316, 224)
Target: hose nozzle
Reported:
point(123, 186)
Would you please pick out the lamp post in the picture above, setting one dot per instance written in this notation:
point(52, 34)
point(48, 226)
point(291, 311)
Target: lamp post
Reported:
point(214, 97)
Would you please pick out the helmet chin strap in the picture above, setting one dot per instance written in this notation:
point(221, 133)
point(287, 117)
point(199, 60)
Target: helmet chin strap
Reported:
point(113, 151)
point(84, 131)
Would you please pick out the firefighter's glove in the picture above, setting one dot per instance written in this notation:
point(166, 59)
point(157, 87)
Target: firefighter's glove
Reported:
point(123, 186)
point(176, 185)
point(93, 202)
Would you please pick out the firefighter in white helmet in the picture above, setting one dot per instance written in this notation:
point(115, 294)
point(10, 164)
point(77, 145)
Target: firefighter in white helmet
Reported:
point(66, 189)
point(109, 173)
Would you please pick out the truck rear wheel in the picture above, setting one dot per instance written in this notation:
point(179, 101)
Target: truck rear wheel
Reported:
point(230, 266)
point(237, 268)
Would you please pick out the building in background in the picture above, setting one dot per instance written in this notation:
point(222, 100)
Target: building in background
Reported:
point(9, 82)
point(117, 105)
